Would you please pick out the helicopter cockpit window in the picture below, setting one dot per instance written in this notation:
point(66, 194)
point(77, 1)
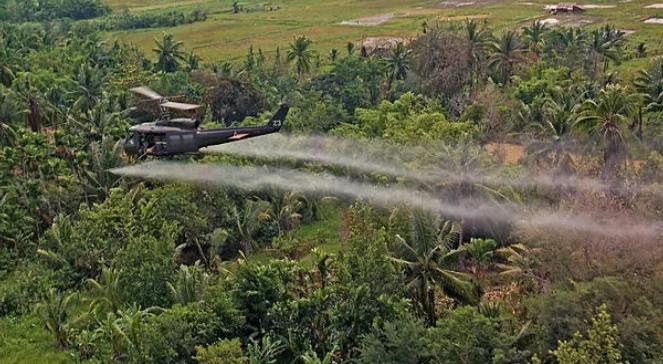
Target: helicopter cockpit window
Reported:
point(131, 139)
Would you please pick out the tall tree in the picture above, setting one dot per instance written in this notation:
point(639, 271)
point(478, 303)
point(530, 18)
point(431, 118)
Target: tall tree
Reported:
point(650, 84)
point(533, 35)
point(570, 45)
point(427, 257)
point(506, 53)
point(478, 39)
point(606, 118)
point(602, 48)
point(89, 82)
point(169, 53)
point(397, 63)
point(301, 53)
point(554, 131)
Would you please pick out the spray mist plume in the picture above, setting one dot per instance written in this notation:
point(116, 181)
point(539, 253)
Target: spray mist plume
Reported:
point(394, 160)
point(260, 178)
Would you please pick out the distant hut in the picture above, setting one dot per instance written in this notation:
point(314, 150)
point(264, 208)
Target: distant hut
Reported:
point(565, 8)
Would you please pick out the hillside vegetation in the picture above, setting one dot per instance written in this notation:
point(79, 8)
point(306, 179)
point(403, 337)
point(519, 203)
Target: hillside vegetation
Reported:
point(477, 192)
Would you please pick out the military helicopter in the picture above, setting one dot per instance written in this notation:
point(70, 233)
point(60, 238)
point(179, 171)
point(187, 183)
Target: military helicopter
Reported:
point(172, 136)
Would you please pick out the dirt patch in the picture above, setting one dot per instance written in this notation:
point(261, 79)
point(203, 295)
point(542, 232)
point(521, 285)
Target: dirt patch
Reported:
point(464, 3)
point(654, 6)
point(597, 6)
point(654, 21)
point(573, 20)
point(370, 20)
point(628, 32)
point(456, 4)
point(549, 21)
point(508, 152)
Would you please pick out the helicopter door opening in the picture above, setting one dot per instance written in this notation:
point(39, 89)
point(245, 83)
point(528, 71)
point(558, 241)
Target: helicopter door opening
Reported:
point(154, 143)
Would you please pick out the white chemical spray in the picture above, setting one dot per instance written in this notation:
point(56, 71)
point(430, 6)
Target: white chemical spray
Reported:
point(393, 160)
point(259, 178)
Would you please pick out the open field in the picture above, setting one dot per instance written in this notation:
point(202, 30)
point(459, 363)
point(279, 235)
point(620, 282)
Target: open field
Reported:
point(332, 23)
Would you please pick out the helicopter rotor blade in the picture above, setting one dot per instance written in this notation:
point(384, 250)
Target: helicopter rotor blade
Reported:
point(147, 92)
point(179, 106)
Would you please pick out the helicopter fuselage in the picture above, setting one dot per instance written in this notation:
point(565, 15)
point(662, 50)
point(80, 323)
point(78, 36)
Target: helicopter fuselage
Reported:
point(183, 136)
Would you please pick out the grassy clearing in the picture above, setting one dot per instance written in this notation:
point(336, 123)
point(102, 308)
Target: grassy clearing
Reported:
point(23, 339)
point(226, 36)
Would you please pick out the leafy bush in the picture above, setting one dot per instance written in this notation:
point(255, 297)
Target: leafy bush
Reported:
point(410, 119)
point(143, 20)
point(463, 335)
point(599, 346)
point(397, 342)
point(173, 335)
point(53, 9)
point(222, 352)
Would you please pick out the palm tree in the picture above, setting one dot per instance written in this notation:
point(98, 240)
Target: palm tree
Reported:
point(286, 209)
point(522, 262)
point(106, 291)
point(396, 64)
point(427, 258)
point(350, 47)
point(169, 53)
point(237, 7)
point(89, 83)
point(192, 61)
point(606, 119)
point(95, 175)
point(9, 63)
point(534, 36)
point(571, 45)
point(333, 55)
point(301, 53)
point(601, 47)
point(9, 112)
point(641, 50)
point(554, 131)
point(478, 39)
point(248, 220)
point(54, 314)
point(481, 252)
point(650, 84)
point(264, 351)
point(189, 285)
point(506, 52)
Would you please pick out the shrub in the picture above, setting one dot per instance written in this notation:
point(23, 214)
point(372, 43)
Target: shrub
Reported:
point(599, 346)
point(397, 342)
point(464, 335)
point(221, 352)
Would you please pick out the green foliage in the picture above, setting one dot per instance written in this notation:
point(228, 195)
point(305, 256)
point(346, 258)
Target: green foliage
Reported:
point(299, 51)
point(169, 53)
point(264, 351)
point(599, 346)
point(316, 115)
point(174, 334)
point(144, 20)
point(222, 352)
point(53, 9)
point(258, 287)
point(399, 341)
point(152, 260)
point(463, 335)
point(354, 82)
point(410, 119)
point(54, 313)
point(189, 284)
